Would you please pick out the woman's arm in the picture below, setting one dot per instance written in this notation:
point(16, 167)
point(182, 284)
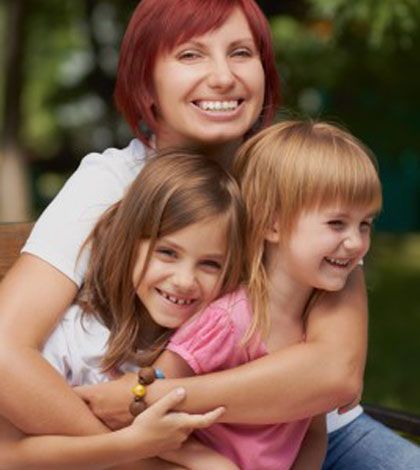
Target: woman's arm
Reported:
point(155, 431)
point(33, 396)
point(306, 379)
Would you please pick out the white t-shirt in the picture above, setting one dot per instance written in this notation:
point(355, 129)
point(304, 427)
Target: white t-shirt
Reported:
point(100, 181)
point(76, 347)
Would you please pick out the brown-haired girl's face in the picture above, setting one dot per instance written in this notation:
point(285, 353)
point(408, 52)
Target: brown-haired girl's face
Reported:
point(184, 273)
point(210, 89)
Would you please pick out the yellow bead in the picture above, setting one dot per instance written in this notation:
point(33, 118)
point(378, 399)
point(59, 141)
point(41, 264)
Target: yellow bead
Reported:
point(139, 390)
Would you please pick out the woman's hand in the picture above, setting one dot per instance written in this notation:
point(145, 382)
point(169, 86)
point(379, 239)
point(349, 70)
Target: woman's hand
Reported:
point(109, 401)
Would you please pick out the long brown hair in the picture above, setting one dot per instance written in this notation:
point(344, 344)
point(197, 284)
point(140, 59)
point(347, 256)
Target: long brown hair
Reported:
point(174, 189)
point(290, 167)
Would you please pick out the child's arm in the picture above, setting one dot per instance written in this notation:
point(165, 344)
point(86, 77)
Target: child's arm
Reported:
point(196, 456)
point(155, 431)
point(306, 379)
point(193, 454)
point(314, 446)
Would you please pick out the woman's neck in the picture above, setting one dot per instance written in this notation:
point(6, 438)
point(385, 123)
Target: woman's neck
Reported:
point(222, 153)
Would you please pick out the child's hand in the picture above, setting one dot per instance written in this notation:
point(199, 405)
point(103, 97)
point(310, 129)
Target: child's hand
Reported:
point(158, 430)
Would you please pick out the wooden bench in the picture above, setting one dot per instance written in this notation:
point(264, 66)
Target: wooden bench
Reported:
point(13, 236)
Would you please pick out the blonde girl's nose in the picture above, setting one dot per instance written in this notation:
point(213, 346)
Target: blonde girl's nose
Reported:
point(354, 240)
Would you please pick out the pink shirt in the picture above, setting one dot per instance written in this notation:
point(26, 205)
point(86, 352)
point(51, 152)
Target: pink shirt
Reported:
point(211, 341)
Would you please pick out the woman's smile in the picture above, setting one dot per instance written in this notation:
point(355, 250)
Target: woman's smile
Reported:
point(210, 89)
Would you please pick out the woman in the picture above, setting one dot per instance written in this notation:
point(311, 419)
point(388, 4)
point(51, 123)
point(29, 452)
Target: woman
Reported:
point(198, 74)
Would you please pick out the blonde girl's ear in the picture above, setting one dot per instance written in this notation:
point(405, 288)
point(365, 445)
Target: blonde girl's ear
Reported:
point(272, 234)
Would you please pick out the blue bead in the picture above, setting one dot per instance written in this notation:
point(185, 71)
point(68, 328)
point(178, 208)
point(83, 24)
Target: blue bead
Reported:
point(159, 374)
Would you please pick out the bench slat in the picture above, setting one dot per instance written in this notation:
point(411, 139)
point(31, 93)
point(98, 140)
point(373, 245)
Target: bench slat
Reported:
point(398, 420)
point(12, 238)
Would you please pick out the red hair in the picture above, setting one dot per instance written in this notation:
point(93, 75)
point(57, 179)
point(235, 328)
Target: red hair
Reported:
point(160, 25)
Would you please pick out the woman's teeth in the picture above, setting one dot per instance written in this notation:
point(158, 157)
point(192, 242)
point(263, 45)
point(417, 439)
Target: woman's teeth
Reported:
point(175, 300)
point(218, 105)
point(338, 262)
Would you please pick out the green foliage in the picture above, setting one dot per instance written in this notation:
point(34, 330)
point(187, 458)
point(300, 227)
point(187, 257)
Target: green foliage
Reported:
point(383, 21)
point(392, 377)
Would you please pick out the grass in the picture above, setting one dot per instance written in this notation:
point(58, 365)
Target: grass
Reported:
point(393, 277)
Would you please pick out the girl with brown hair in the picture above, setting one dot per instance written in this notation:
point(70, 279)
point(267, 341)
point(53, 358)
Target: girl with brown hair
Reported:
point(157, 258)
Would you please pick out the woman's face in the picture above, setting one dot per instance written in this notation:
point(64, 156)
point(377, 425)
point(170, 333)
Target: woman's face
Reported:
point(210, 89)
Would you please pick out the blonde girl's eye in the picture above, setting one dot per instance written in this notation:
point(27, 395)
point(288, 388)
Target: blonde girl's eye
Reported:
point(336, 224)
point(366, 225)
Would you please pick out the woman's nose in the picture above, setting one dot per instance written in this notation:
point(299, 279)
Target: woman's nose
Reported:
point(220, 74)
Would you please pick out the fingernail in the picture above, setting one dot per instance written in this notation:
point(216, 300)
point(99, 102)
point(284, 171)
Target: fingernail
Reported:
point(180, 391)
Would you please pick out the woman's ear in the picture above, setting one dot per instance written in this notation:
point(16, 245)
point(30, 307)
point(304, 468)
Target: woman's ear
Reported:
point(272, 234)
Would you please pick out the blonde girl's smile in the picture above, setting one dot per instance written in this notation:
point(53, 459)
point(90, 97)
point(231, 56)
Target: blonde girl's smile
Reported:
point(184, 273)
point(325, 246)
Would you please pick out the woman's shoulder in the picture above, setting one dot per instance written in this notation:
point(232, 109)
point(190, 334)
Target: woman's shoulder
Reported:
point(121, 162)
point(100, 180)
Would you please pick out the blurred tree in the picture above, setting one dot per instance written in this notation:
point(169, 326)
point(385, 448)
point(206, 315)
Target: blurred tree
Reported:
point(14, 194)
point(353, 60)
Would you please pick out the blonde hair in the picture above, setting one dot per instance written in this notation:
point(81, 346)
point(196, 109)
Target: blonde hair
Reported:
point(172, 191)
point(291, 167)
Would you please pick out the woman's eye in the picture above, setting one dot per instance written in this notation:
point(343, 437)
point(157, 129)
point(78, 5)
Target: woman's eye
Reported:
point(242, 52)
point(188, 55)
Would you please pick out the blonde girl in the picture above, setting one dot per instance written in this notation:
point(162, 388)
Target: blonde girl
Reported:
point(158, 257)
point(311, 191)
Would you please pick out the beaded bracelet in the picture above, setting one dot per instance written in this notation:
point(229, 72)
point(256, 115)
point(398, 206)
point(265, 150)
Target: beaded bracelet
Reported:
point(146, 376)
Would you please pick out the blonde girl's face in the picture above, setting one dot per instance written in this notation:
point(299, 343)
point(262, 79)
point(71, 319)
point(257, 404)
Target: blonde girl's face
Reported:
point(326, 245)
point(210, 89)
point(184, 273)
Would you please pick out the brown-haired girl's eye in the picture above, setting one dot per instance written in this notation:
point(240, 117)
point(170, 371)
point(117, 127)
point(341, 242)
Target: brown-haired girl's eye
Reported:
point(212, 264)
point(166, 252)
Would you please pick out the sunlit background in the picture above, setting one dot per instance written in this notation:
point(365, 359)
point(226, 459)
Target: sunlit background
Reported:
point(353, 62)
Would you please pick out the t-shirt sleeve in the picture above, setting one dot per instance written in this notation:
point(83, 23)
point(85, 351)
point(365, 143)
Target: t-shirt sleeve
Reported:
point(208, 342)
point(63, 227)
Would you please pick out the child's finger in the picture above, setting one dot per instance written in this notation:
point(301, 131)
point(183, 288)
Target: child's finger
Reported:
point(169, 401)
point(206, 419)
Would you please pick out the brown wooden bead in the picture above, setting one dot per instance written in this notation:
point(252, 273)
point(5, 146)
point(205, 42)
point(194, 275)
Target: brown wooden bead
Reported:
point(137, 407)
point(146, 375)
